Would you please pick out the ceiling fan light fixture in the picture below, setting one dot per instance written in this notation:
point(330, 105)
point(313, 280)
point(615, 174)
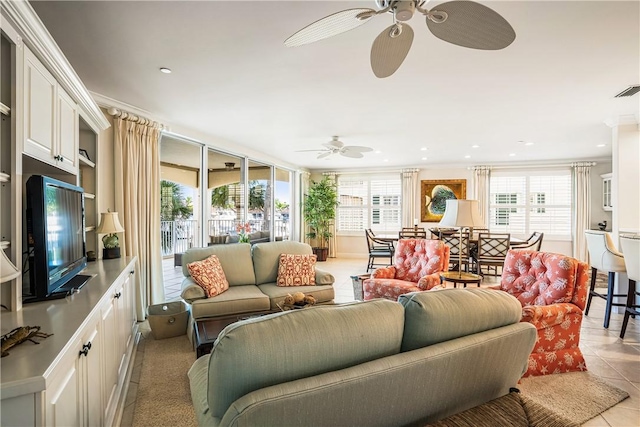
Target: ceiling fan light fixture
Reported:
point(404, 10)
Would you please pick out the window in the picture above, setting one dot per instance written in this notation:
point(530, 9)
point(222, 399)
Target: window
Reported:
point(369, 201)
point(536, 201)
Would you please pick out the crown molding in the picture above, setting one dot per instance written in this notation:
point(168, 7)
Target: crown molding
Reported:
point(107, 103)
point(623, 120)
point(35, 35)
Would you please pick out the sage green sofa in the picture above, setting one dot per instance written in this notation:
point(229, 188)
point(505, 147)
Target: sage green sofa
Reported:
point(252, 271)
point(371, 363)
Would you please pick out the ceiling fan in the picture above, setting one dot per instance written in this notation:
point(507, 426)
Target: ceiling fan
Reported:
point(336, 146)
point(461, 22)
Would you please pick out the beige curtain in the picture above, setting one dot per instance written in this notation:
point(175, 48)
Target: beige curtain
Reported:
point(410, 209)
point(581, 213)
point(333, 241)
point(137, 192)
point(481, 176)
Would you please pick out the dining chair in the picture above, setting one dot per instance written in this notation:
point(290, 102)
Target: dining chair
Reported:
point(630, 246)
point(533, 243)
point(378, 249)
point(412, 233)
point(604, 256)
point(459, 250)
point(492, 250)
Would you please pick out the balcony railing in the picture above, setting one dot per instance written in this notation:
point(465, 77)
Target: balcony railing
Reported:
point(178, 236)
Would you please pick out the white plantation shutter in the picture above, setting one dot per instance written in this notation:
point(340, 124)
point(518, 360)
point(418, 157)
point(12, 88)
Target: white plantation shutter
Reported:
point(521, 203)
point(369, 201)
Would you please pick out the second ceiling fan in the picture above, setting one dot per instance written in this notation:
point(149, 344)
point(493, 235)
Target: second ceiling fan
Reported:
point(461, 22)
point(335, 146)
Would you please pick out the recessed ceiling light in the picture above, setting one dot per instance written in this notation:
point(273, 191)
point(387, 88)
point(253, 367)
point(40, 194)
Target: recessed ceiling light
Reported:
point(601, 145)
point(467, 156)
point(512, 154)
point(165, 70)
point(528, 143)
point(378, 151)
point(423, 149)
point(424, 158)
point(385, 160)
point(475, 146)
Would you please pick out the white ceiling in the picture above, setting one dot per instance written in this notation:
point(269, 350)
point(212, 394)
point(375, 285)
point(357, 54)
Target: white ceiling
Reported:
point(234, 80)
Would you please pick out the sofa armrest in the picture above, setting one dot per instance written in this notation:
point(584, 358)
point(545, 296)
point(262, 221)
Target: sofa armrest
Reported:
point(191, 291)
point(544, 316)
point(324, 277)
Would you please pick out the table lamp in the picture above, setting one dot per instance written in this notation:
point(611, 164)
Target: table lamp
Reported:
point(461, 213)
point(110, 225)
point(8, 271)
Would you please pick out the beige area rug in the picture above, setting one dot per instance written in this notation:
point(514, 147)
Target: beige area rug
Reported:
point(163, 397)
point(578, 396)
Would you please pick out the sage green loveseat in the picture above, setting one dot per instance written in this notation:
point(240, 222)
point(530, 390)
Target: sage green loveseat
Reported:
point(371, 363)
point(251, 271)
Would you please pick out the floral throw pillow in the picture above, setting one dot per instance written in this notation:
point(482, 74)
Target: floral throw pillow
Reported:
point(297, 270)
point(208, 274)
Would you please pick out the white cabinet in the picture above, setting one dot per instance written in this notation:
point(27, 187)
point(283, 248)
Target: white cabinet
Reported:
point(607, 203)
point(79, 376)
point(50, 118)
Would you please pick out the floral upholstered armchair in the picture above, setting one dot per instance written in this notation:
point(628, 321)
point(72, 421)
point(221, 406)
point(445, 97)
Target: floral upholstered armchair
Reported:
point(552, 289)
point(417, 265)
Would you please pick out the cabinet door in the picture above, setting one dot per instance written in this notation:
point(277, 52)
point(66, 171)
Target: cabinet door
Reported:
point(111, 359)
point(91, 375)
point(64, 398)
point(67, 135)
point(39, 110)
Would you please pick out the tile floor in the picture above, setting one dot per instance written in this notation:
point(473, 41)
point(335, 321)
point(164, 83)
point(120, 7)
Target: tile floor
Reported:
point(606, 354)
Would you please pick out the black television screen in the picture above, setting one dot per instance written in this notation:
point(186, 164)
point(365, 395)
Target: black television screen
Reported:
point(55, 234)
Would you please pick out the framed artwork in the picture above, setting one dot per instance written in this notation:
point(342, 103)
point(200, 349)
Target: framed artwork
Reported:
point(434, 195)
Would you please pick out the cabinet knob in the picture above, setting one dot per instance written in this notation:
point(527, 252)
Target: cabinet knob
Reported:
point(85, 350)
point(117, 295)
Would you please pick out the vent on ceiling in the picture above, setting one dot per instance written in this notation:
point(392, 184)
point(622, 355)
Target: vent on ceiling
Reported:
point(631, 90)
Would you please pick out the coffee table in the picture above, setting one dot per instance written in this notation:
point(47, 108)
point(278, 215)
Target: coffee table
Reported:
point(207, 330)
point(460, 277)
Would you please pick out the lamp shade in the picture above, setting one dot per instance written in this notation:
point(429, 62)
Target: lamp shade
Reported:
point(462, 213)
point(8, 271)
point(109, 223)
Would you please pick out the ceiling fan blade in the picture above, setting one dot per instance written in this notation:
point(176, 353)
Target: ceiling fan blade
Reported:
point(323, 155)
point(390, 48)
point(352, 154)
point(329, 26)
point(472, 25)
point(358, 148)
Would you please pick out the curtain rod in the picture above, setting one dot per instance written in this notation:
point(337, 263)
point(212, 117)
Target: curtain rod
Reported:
point(363, 172)
point(124, 115)
point(524, 166)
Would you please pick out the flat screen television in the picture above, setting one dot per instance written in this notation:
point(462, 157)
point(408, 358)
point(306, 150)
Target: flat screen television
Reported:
point(55, 237)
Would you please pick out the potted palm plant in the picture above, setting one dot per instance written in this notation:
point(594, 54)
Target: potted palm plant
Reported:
point(319, 211)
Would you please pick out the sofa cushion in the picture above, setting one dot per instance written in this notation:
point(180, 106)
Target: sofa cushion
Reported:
point(276, 294)
point(236, 300)
point(208, 274)
point(266, 258)
point(235, 260)
point(296, 270)
point(276, 348)
point(436, 316)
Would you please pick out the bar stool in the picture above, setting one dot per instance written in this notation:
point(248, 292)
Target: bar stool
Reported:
point(604, 256)
point(630, 246)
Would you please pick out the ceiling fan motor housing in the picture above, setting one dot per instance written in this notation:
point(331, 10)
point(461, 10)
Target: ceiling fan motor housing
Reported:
point(404, 10)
